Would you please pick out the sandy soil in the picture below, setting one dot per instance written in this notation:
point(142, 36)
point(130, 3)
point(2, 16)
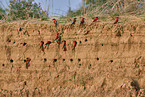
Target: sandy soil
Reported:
point(109, 60)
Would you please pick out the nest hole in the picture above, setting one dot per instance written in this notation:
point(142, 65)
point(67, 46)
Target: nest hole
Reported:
point(86, 40)
point(80, 64)
point(130, 34)
point(63, 59)
point(80, 41)
point(3, 64)
point(71, 60)
point(45, 59)
point(24, 60)
point(24, 44)
point(11, 61)
point(97, 58)
point(102, 44)
point(14, 42)
point(38, 32)
point(111, 61)
point(20, 29)
point(25, 83)
point(90, 65)
point(9, 40)
point(79, 60)
point(54, 60)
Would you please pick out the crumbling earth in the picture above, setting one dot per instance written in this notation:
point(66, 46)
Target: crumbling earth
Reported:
point(108, 61)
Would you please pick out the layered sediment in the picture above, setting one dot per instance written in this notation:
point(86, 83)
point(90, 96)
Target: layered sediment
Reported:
point(108, 61)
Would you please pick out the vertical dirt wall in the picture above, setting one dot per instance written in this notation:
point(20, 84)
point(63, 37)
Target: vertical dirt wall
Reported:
point(109, 60)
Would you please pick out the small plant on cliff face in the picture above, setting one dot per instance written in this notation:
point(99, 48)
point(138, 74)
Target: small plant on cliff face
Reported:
point(22, 9)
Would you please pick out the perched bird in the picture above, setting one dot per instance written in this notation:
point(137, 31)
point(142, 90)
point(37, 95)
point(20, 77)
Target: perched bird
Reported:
point(95, 19)
point(82, 21)
point(116, 20)
point(58, 38)
point(64, 45)
point(27, 62)
point(47, 44)
point(74, 21)
point(55, 22)
point(41, 45)
point(74, 45)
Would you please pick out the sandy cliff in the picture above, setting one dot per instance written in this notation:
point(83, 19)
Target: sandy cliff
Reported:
point(109, 60)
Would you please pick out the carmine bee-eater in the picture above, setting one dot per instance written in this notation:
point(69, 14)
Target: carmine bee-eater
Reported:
point(74, 45)
point(116, 20)
point(95, 19)
point(82, 21)
point(55, 22)
point(64, 45)
point(74, 21)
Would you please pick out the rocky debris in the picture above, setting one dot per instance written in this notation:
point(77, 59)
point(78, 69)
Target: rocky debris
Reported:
point(118, 33)
point(131, 87)
point(26, 33)
point(141, 93)
point(139, 64)
point(5, 93)
point(38, 32)
point(139, 60)
point(36, 92)
point(24, 92)
point(86, 32)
